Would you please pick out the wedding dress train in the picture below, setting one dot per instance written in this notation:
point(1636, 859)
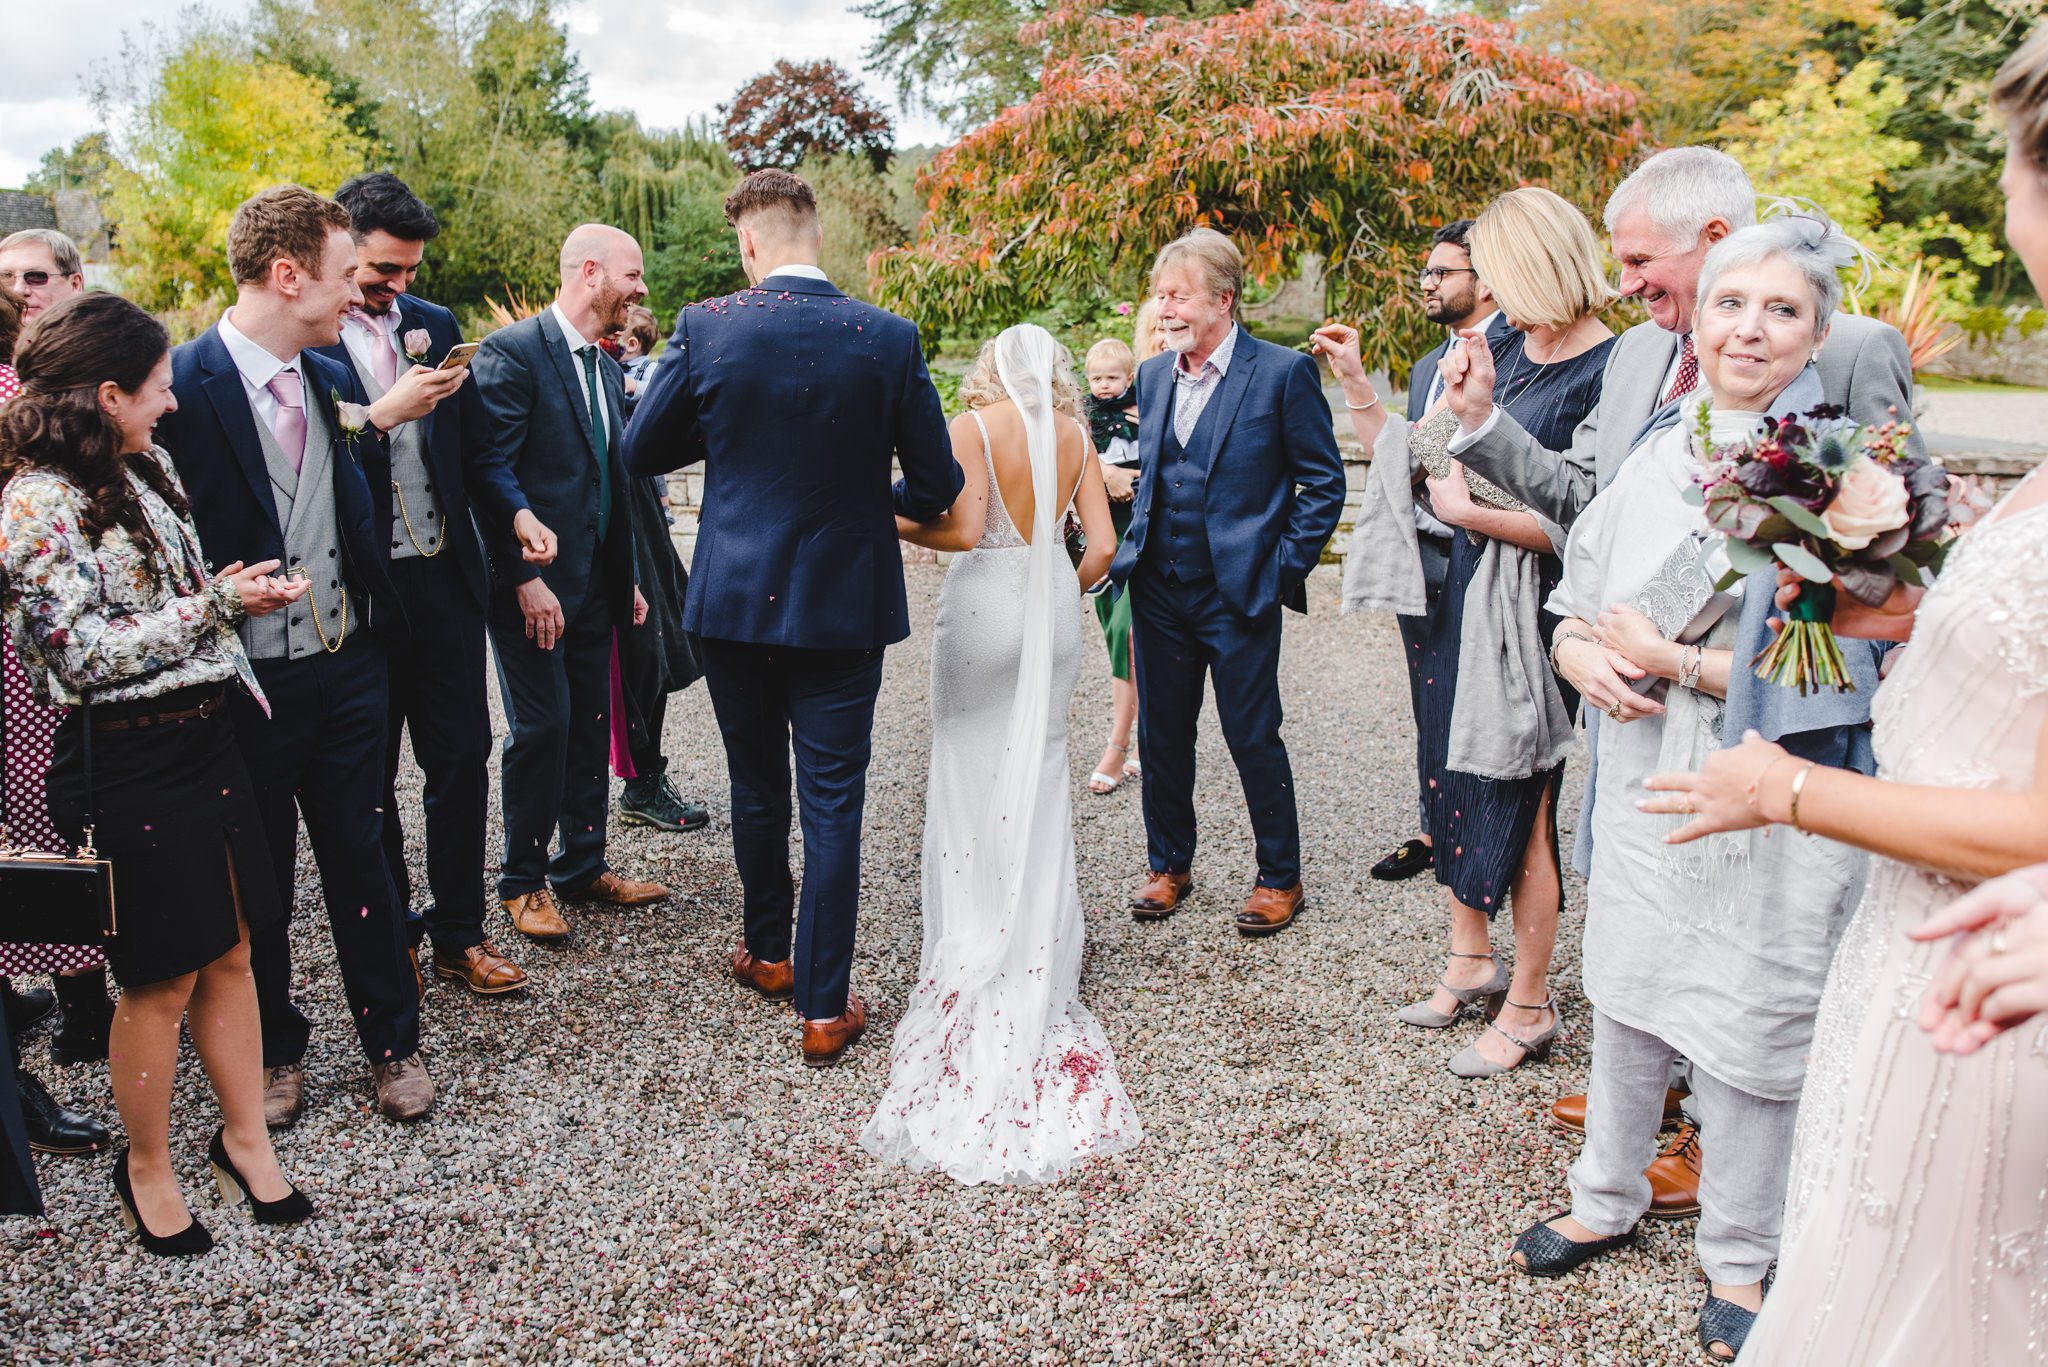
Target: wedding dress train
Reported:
point(997, 1072)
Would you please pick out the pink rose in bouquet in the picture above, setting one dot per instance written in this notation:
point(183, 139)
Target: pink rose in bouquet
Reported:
point(1870, 501)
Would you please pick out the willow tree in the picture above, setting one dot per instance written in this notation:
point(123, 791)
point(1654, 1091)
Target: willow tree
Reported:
point(1343, 130)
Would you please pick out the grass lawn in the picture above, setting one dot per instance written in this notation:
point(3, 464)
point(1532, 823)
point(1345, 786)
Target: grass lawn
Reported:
point(1950, 384)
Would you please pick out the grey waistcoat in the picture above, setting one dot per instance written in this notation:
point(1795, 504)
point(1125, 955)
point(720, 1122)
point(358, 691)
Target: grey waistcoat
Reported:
point(312, 540)
point(413, 495)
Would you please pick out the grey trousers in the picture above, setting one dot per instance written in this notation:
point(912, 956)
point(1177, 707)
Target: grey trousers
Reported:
point(1745, 1153)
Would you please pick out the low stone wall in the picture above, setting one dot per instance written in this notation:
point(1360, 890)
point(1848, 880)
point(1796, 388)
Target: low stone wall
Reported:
point(2018, 356)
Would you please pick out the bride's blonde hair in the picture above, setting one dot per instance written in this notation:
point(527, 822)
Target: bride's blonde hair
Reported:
point(983, 386)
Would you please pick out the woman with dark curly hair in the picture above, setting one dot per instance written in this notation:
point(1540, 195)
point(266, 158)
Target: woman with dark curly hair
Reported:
point(113, 614)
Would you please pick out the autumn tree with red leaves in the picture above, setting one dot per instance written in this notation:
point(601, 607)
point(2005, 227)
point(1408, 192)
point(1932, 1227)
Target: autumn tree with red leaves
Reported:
point(798, 110)
point(1347, 129)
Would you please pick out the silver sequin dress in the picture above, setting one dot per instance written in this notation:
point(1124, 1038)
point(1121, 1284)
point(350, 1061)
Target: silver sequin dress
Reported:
point(1917, 1225)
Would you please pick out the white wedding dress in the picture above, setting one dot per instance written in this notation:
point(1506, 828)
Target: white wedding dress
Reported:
point(997, 1072)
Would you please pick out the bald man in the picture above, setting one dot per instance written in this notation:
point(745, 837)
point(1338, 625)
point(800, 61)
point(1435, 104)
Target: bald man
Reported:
point(555, 408)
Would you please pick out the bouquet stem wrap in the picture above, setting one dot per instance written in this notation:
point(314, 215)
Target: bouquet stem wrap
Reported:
point(1806, 654)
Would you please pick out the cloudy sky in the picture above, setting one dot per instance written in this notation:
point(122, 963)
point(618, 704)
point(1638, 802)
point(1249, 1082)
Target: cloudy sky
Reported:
point(666, 60)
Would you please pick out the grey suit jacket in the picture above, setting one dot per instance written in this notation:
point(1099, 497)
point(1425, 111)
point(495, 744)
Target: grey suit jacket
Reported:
point(1864, 367)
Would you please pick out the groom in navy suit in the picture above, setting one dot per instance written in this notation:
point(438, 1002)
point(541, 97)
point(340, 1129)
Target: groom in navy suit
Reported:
point(1239, 488)
point(797, 399)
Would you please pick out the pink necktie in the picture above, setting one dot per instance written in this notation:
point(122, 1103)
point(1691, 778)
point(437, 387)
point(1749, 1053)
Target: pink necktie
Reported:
point(289, 426)
point(383, 363)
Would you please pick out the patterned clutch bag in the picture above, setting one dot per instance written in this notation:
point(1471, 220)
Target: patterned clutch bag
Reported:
point(1431, 443)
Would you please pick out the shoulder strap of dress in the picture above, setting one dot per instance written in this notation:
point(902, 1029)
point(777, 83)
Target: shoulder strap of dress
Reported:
point(1087, 454)
point(988, 452)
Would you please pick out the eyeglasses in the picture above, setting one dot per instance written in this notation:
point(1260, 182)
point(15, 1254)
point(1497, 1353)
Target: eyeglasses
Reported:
point(1434, 275)
point(33, 279)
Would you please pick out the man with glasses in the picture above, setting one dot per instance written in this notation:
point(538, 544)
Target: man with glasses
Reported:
point(1454, 296)
point(43, 267)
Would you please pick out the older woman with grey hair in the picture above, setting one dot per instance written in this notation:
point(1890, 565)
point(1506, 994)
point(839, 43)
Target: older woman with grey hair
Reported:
point(1716, 952)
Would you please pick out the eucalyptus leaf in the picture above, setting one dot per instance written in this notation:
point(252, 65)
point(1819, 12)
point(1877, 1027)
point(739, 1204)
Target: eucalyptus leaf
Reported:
point(1803, 562)
point(1869, 584)
point(1908, 572)
point(1804, 520)
point(1747, 558)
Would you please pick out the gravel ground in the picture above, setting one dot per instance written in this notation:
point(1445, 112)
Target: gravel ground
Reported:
point(629, 1164)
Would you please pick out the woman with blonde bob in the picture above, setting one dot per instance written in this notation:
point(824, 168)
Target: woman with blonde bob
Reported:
point(1495, 725)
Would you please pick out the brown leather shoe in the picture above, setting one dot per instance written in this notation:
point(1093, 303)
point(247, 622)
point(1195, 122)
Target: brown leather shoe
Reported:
point(284, 1095)
point(1270, 910)
point(1675, 1177)
point(419, 979)
point(775, 981)
point(1160, 895)
point(481, 969)
point(536, 916)
point(609, 888)
point(404, 1091)
point(825, 1041)
point(1569, 1112)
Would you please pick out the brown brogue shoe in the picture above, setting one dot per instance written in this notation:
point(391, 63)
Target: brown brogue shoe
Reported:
point(1569, 1112)
point(284, 1095)
point(825, 1041)
point(481, 969)
point(1270, 910)
point(775, 981)
point(404, 1091)
point(1675, 1177)
point(536, 916)
point(1161, 894)
point(611, 889)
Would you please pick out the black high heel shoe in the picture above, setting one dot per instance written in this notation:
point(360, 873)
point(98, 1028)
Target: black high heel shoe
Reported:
point(192, 1239)
point(285, 1210)
point(1547, 1253)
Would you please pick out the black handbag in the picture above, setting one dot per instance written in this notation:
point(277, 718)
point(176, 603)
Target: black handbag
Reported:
point(55, 899)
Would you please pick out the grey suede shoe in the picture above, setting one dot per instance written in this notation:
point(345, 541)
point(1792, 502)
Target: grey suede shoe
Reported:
point(1492, 993)
point(1471, 1063)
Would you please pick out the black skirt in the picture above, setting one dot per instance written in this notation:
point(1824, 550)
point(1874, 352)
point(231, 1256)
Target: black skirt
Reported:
point(175, 811)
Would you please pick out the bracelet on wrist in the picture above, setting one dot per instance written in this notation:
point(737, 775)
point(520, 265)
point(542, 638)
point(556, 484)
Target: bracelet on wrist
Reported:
point(1689, 666)
point(1798, 786)
point(1362, 407)
point(1557, 642)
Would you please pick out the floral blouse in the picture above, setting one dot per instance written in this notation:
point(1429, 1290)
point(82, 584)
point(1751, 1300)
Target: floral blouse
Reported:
point(114, 618)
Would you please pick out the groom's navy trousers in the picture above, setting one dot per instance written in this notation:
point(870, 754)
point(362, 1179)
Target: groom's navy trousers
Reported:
point(820, 703)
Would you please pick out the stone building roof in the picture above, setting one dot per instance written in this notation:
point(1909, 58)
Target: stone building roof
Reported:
point(19, 209)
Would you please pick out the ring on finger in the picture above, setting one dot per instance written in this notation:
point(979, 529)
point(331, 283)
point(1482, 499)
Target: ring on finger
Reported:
point(1615, 712)
point(1998, 940)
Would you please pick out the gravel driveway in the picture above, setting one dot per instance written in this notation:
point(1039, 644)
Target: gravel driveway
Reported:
point(629, 1164)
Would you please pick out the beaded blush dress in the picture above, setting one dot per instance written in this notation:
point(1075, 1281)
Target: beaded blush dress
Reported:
point(998, 1073)
point(1916, 1229)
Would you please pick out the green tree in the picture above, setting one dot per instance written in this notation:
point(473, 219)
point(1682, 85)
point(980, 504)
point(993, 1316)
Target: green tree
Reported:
point(1695, 63)
point(479, 105)
point(84, 165)
point(1945, 52)
point(966, 60)
point(1824, 140)
point(194, 137)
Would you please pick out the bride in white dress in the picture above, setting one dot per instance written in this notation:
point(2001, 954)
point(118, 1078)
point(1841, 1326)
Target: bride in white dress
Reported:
point(998, 1073)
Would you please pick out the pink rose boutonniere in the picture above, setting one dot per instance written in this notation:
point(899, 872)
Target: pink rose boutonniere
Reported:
point(416, 343)
point(353, 417)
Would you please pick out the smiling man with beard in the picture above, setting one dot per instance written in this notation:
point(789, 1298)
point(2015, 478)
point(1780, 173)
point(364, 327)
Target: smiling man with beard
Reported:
point(556, 416)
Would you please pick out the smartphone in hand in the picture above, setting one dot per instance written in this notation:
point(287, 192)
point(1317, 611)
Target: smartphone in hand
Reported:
point(458, 355)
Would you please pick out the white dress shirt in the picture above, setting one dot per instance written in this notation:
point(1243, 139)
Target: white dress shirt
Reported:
point(576, 348)
point(1192, 390)
point(258, 368)
point(807, 272)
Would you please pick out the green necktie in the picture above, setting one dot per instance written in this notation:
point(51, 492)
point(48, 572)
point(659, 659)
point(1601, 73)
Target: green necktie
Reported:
point(604, 460)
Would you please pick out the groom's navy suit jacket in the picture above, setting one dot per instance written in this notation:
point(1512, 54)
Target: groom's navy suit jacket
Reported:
point(797, 398)
point(1275, 480)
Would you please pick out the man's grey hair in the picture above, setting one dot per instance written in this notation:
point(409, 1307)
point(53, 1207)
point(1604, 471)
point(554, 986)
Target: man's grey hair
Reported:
point(1799, 233)
point(62, 249)
point(1683, 190)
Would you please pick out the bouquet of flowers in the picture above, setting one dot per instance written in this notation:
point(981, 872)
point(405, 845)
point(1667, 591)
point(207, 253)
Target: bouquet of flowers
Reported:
point(1833, 501)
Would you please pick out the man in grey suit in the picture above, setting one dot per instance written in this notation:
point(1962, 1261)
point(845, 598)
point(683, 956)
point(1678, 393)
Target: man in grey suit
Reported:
point(1661, 220)
point(556, 415)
